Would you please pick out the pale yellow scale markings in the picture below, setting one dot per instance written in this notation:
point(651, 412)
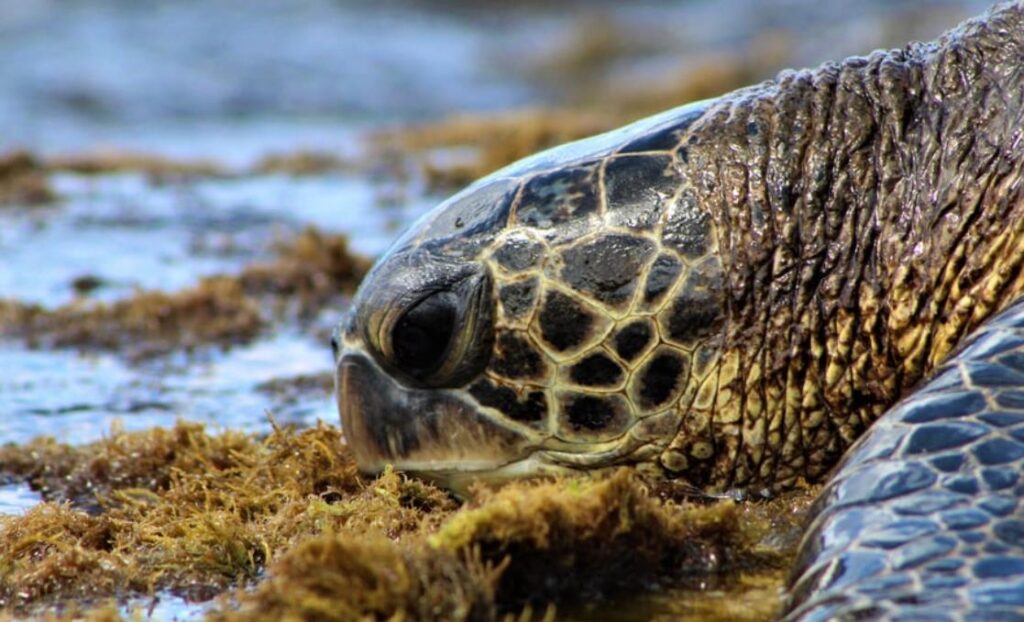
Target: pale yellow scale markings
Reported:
point(607, 320)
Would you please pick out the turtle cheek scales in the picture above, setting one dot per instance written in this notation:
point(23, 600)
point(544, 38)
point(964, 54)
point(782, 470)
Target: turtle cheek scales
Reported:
point(587, 418)
point(557, 197)
point(698, 307)
point(607, 269)
point(661, 380)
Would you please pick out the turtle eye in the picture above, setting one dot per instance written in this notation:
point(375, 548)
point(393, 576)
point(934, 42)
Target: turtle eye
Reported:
point(422, 336)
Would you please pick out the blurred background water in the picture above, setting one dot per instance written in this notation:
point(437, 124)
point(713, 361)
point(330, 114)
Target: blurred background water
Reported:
point(233, 78)
point(231, 81)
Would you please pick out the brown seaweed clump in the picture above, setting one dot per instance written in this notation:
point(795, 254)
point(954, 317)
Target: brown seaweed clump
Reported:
point(217, 311)
point(492, 140)
point(23, 180)
point(194, 513)
point(301, 163)
point(157, 169)
point(309, 272)
point(183, 510)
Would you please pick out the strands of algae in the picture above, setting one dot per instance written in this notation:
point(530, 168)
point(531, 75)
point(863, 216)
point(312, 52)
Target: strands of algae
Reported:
point(288, 518)
point(308, 272)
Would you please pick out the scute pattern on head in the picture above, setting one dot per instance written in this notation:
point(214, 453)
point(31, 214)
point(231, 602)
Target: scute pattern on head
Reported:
point(597, 271)
point(590, 260)
point(775, 248)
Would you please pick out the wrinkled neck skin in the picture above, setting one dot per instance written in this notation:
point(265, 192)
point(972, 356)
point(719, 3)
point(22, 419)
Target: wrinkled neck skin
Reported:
point(869, 216)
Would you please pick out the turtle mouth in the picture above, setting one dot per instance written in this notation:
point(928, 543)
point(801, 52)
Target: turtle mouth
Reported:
point(437, 434)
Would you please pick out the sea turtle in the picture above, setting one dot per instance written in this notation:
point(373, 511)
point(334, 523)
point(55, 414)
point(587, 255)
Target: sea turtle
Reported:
point(730, 293)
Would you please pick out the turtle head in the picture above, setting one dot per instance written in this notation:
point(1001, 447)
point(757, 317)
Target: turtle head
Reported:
point(557, 315)
point(419, 337)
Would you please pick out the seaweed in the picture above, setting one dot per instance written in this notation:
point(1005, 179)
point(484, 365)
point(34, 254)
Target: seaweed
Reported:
point(158, 169)
point(177, 509)
point(23, 180)
point(301, 163)
point(288, 518)
point(216, 311)
point(308, 272)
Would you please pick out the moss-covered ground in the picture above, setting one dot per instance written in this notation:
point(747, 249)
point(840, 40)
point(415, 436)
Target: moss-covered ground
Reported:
point(283, 527)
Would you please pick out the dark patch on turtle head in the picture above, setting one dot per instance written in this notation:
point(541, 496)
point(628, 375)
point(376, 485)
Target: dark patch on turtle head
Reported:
point(633, 339)
point(638, 189)
point(688, 229)
point(607, 269)
point(557, 197)
point(517, 358)
point(518, 298)
point(564, 323)
point(596, 370)
point(592, 417)
point(698, 307)
point(661, 379)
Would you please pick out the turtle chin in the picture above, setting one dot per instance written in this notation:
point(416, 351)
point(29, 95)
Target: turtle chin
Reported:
point(436, 434)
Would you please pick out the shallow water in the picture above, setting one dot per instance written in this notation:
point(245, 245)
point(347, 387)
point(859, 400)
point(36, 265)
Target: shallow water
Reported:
point(232, 82)
point(16, 498)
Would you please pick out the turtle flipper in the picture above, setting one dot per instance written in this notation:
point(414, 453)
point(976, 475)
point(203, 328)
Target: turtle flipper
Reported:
point(925, 515)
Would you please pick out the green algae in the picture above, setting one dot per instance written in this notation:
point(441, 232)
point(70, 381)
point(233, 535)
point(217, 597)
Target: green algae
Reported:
point(288, 518)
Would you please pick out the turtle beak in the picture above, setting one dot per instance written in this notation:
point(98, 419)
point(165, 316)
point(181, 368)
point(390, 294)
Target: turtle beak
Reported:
point(434, 433)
